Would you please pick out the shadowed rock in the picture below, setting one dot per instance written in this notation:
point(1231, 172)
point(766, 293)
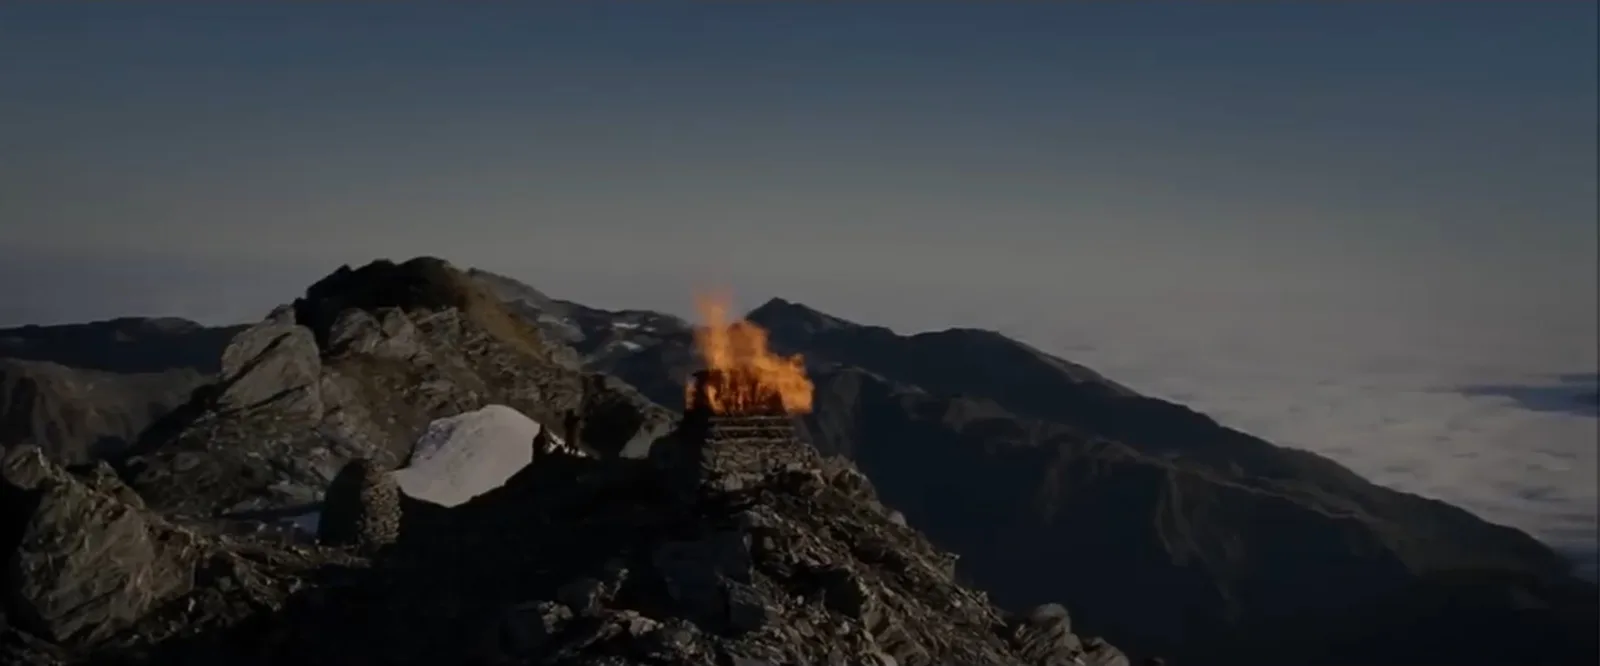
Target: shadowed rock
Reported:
point(361, 508)
point(83, 564)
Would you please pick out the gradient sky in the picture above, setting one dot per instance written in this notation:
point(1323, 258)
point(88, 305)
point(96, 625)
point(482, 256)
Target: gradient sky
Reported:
point(622, 152)
point(1332, 224)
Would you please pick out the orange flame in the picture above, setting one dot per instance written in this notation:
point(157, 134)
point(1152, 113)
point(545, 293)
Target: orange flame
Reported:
point(744, 377)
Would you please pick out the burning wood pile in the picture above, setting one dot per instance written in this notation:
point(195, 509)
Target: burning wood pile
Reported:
point(742, 376)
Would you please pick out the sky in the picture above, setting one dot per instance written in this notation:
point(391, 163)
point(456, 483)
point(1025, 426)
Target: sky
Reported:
point(1367, 229)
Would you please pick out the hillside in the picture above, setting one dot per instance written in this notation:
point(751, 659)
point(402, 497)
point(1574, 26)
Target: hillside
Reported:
point(1162, 528)
point(80, 415)
point(726, 541)
point(86, 391)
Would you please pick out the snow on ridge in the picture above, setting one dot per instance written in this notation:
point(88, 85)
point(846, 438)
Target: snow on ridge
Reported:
point(460, 457)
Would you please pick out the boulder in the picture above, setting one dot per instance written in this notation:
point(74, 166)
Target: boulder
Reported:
point(85, 564)
point(463, 456)
point(618, 421)
point(273, 361)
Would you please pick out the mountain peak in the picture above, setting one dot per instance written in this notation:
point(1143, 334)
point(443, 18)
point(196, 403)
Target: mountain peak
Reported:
point(421, 283)
point(789, 316)
point(512, 289)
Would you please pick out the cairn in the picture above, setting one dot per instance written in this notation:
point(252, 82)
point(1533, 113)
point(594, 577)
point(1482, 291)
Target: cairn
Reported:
point(361, 509)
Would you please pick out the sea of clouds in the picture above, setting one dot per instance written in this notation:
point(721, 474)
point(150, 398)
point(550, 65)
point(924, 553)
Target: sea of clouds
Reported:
point(1487, 410)
point(1477, 397)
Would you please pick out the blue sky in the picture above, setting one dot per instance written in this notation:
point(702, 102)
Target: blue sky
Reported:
point(887, 142)
point(1313, 220)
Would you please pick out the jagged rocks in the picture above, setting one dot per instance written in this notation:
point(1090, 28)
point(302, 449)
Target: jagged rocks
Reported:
point(385, 334)
point(250, 441)
point(703, 578)
point(275, 361)
point(83, 563)
point(360, 367)
point(1044, 637)
point(1097, 652)
point(845, 593)
point(618, 421)
point(734, 543)
point(361, 508)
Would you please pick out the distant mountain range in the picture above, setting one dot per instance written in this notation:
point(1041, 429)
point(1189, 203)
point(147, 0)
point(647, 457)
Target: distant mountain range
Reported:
point(85, 391)
point(1159, 528)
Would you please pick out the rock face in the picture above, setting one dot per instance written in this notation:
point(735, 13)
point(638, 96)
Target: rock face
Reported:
point(358, 368)
point(84, 563)
point(95, 576)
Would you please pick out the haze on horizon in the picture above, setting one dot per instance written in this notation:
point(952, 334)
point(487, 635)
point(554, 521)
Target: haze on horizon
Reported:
point(1330, 224)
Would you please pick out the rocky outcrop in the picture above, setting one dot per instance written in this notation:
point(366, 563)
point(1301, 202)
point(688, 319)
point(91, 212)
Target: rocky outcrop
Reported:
point(358, 368)
point(94, 576)
point(743, 547)
point(84, 563)
point(613, 424)
point(747, 548)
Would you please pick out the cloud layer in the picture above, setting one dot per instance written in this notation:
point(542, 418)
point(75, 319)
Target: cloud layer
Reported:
point(1498, 420)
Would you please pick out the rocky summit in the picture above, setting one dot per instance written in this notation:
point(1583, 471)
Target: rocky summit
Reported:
point(722, 540)
point(1162, 529)
point(357, 369)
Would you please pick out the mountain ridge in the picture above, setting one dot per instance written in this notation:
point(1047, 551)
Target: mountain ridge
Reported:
point(1163, 530)
point(731, 542)
point(1062, 426)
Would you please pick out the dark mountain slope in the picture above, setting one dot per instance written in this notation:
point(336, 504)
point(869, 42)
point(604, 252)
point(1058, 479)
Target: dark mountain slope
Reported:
point(1168, 557)
point(86, 391)
point(597, 335)
point(1444, 619)
point(78, 415)
point(973, 363)
point(1162, 528)
point(125, 345)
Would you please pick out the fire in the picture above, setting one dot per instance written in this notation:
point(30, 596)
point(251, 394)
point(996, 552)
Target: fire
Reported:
point(742, 375)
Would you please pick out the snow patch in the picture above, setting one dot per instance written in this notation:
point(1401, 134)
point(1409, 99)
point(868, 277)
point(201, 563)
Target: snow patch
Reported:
point(624, 325)
point(463, 456)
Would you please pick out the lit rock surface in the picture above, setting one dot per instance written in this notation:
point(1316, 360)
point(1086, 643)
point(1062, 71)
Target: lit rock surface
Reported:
point(463, 456)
